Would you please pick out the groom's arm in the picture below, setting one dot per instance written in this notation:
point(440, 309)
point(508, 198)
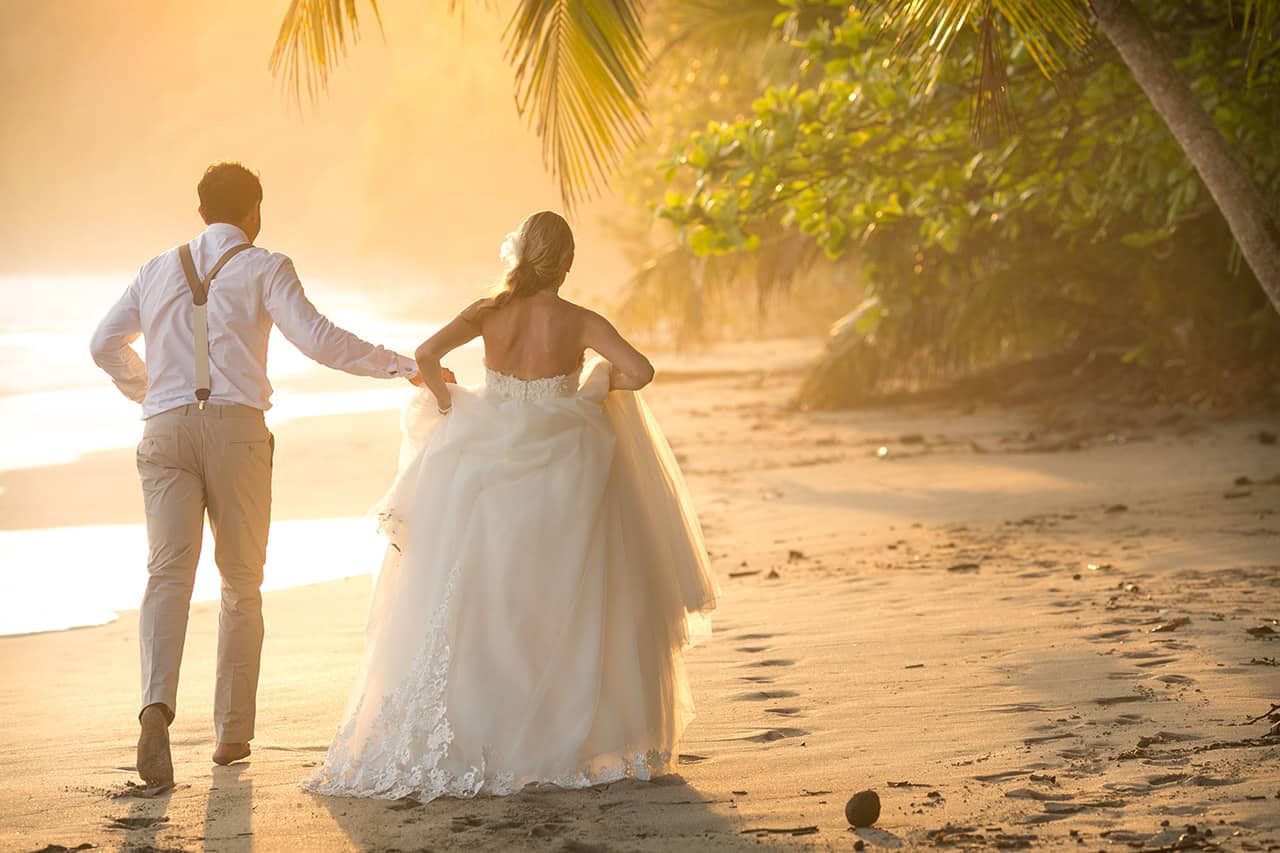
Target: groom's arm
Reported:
point(111, 348)
point(319, 339)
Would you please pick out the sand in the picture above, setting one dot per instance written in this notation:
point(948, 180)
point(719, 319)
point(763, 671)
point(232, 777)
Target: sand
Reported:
point(988, 632)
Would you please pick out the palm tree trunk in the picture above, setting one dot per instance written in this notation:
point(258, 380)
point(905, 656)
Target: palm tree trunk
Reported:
point(1231, 187)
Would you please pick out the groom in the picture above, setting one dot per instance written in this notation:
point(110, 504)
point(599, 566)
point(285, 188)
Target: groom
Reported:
point(205, 310)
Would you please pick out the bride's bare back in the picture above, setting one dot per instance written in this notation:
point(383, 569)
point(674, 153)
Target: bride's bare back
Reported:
point(533, 337)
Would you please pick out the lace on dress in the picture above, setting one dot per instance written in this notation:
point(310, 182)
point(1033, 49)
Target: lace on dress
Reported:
point(410, 738)
point(510, 387)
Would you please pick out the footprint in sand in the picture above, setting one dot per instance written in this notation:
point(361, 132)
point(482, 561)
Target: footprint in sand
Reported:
point(1034, 794)
point(773, 662)
point(140, 792)
point(1175, 679)
point(136, 822)
point(754, 679)
point(1046, 738)
point(689, 758)
point(1146, 656)
point(752, 650)
point(1002, 777)
point(1110, 635)
point(784, 712)
point(1156, 662)
point(765, 695)
point(1127, 788)
point(775, 734)
point(1107, 701)
point(1213, 782)
point(1019, 708)
point(1142, 654)
point(756, 636)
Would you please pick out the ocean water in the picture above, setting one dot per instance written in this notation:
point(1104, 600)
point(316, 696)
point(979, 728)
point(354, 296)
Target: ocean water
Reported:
point(71, 577)
point(56, 406)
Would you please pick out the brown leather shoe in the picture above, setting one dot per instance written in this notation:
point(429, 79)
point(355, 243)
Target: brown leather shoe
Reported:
point(229, 752)
point(155, 764)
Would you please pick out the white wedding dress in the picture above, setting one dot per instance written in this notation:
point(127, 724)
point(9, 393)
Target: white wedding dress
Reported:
point(544, 572)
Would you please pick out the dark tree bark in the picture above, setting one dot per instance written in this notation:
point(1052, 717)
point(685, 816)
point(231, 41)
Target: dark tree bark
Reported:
point(1229, 184)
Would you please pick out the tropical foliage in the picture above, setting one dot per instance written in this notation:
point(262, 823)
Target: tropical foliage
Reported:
point(1086, 225)
point(710, 59)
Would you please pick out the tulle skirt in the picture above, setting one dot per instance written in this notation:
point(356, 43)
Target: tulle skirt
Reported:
point(544, 572)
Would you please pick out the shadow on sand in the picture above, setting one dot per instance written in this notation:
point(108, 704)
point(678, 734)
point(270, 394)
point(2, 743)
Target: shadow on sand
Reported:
point(616, 816)
point(228, 816)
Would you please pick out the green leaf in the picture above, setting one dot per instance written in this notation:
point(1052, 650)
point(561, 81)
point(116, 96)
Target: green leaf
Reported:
point(702, 241)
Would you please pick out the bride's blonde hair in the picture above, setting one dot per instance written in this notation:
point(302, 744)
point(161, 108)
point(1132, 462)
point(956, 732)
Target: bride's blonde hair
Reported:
point(538, 254)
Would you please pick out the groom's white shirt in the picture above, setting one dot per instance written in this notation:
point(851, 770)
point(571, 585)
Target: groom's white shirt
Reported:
point(255, 290)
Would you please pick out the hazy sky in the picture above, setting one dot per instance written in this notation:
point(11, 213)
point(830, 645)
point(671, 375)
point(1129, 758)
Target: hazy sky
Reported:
point(408, 172)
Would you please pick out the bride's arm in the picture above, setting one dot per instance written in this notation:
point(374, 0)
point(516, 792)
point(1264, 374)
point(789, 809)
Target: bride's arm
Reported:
point(455, 333)
point(631, 370)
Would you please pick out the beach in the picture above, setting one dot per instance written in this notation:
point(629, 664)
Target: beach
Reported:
point(1021, 628)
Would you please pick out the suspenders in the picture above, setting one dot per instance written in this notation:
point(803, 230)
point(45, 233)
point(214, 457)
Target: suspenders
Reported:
point(200, 318)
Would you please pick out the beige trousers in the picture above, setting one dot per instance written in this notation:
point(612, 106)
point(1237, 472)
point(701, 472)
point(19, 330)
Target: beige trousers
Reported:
point(191, 461)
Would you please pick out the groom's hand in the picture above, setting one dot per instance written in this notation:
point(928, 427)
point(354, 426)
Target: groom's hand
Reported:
point(447, 375)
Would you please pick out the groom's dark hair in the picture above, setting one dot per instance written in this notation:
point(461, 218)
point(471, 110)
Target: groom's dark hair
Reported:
point(228, 192)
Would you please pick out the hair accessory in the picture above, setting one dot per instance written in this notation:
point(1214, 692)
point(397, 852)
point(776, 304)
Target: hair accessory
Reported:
point(512, 251)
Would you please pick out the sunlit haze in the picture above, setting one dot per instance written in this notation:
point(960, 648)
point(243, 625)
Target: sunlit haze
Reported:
point(399, 182)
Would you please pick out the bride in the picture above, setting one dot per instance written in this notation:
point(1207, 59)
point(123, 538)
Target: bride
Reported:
point(545, 568)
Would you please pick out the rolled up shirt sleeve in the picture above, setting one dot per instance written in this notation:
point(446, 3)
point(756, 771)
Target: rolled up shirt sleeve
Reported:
point(319, 339)
point(111, 345)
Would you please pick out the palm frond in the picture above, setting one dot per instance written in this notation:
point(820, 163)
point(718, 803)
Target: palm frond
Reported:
point(927, 29)
point(991, 115)
point(312, 40)
point(1262, 28)
point(579, 65)
point(1041, 24)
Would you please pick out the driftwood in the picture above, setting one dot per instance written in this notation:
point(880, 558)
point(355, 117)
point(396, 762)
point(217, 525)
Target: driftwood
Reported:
point(785, 830)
